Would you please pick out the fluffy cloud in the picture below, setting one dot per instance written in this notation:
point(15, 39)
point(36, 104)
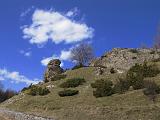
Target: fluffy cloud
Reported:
point(57, 27)
point(16, 77)
point(65, 55)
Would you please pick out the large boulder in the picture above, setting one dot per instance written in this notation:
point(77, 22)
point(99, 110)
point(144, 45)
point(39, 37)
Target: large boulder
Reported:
point(53, 69)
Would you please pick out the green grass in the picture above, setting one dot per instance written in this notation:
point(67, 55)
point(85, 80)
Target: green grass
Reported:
point(132, 105)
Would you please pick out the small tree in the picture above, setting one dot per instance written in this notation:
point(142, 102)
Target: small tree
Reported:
point(121, 86)
point(82, 54)
point(102, 88)
point(6, 94)
point(151, 90)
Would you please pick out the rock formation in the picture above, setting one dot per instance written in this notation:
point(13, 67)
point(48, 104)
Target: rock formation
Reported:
point(53, 69)
point(123, 58)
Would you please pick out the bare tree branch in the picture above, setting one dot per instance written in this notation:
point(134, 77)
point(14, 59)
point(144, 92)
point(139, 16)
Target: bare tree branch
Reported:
point(82, 54)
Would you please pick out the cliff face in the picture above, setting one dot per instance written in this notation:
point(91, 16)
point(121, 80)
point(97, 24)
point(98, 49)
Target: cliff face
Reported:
point(124, 58)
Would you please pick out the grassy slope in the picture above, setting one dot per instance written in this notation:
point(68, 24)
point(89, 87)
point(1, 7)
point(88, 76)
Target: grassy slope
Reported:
point(132, 105)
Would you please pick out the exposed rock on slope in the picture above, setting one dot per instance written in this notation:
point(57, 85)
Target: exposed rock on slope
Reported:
point(53, 69)
point(123, 59)
point(12, 115)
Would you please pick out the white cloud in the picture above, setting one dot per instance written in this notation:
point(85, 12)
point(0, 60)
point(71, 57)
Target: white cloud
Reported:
point(16, 77)
point(23, 14)
point(72, 12)
point(57, 27)
point(64, 56)
point(26, 53)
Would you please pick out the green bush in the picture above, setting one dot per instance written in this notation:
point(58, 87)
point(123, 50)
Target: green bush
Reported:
point(133, 50)
point(103, 88)
point(46, 80)
point(150, 70)
point(43, 91)
point(78, 66)
point(68, 93)
point(153, 52)
point(151, 90)
point(74, 82)
point(35, 90)
point(156, 60)
point(112, 71)
point(134, 58)
point(121, 86)
point(136, 80)
point(26, 88)
point(58, 77)
point(137, 73)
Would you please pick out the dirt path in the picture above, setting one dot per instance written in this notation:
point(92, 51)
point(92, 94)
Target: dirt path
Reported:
point(13, 115)
point(4, 117)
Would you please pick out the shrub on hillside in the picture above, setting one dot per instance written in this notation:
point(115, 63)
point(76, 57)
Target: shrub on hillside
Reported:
point(137, 73)
point(35, 90)
point(151, 90)
point(78, 66)
point(26, 88)
point(145, 70)
point(74, 82)
point(121, 86)
point(136, 80)
point(46, 80)
point(153, 52)
point(103, 88)
point(68, 93)
point(112, 71)
point(134, 58)
point(59, 77)
point(156, 60)
point(43, 91)
point(150, 70)
point(133, 50)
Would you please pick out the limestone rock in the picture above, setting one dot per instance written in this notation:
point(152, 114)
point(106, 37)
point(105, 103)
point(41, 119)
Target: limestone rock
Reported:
point(124, 58)
point(99, 71)
point(53, 69)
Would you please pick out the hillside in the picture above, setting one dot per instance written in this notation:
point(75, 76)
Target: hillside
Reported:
point(131, 105)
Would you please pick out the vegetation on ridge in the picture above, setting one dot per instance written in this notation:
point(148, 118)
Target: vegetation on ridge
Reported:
point(71, 83)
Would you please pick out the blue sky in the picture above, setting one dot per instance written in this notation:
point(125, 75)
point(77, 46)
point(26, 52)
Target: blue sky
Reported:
point(34, 31)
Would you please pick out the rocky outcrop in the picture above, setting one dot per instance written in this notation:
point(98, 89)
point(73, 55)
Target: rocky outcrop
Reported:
point(123, 58)
point(53, 69)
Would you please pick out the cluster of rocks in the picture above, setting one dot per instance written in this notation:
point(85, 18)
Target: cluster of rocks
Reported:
point(53, 69)
point(123, 58)
point(12, 115)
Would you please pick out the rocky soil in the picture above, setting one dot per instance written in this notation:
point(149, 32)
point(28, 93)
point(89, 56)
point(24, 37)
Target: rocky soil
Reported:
point(12, 115)
point(124, 58)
